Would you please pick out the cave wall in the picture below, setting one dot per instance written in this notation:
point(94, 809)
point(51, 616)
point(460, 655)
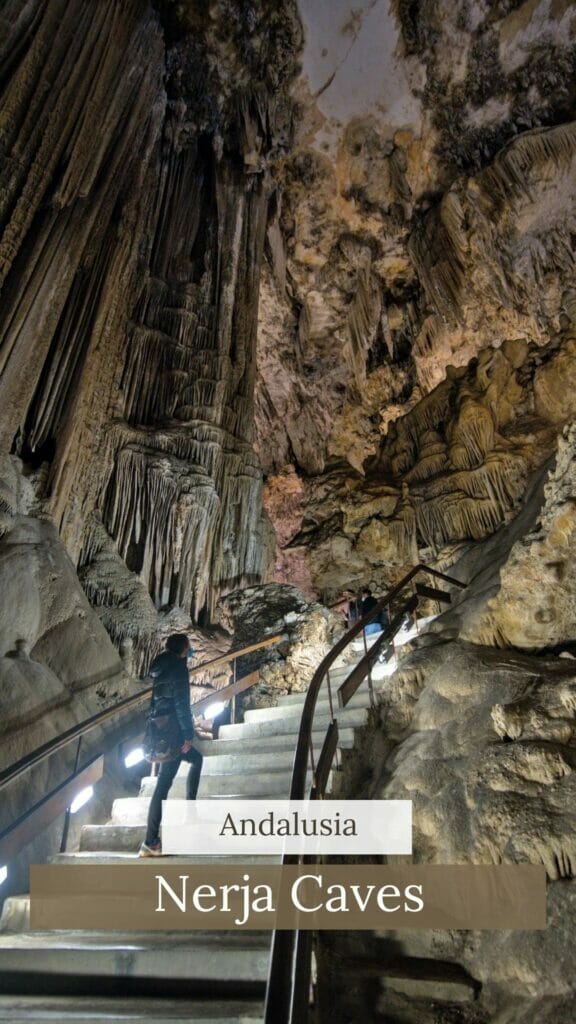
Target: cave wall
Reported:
point(137, 141)
point(424, 219)
point(137, 144)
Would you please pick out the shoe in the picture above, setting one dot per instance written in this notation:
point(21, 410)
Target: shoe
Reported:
point(150, 850)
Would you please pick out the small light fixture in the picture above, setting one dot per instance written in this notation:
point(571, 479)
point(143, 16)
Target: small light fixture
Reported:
point(3, 874)
point(213, 709)
point(134, 757)
point(81, 798)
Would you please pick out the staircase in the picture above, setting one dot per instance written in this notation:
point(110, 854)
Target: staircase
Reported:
point(202, 976)
point(165, 976)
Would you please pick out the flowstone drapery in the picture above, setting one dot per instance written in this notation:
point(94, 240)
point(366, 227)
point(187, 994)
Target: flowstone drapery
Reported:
point(132, 225)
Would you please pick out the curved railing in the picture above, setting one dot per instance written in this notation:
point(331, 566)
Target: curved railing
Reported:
point(289, 977)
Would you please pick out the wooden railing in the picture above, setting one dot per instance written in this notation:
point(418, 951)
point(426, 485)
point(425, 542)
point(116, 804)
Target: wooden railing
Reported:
point(290, 966)
point(33, 821)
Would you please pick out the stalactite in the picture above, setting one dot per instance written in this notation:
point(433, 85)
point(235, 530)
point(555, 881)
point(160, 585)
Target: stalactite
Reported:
point(472, 226)
point(511, 173)
point(120, 597)
point(363, 321)
point(186, 453)
point(71, 77)
point(141, 158)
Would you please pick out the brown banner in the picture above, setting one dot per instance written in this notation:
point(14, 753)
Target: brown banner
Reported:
point(153, 895)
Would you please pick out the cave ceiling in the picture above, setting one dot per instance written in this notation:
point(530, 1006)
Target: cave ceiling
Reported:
point(287, 289)
point(425, 213)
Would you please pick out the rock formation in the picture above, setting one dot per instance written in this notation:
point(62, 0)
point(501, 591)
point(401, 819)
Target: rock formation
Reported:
point(308, 632)
point(423, 221)
point(288, 305)
point(130, 272)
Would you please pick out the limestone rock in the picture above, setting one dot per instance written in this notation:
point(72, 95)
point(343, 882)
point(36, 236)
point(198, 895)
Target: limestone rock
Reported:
point(56, 659)
point(308, 631)
point(482, 742)
point(535, 606)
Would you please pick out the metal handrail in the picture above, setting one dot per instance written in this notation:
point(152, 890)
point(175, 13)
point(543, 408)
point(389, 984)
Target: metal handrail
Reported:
point(304, 736)
point(126, 704)
point(20, 832)
point(287, 989)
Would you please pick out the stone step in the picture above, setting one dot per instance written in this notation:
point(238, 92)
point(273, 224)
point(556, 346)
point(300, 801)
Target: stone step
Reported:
point(431, 989)
point(361, 699)
point(247, 785)
point(421, 978)
point(15, 914)
point(209, 957)
point(380, 671)
point(244, 761)
point(112, 838)
point(287, 699)
point(118, 841)
point(112, 857)
point(266, 744)
point(94, 1009)
point(15, 917)
point(290, 724)
point(134, 810)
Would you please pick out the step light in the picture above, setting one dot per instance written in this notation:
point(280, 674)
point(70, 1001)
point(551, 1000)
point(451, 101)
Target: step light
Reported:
point(134, 757)
point(3, 874)
point(213, 709)
point(81, 798)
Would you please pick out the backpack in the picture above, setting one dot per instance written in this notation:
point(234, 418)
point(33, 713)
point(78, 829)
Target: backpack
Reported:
point(162, 735)
point(162, 738)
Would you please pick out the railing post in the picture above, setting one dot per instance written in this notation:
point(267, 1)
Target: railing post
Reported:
point(370, 682)
point(66, 826)
point(330, 705)
point(332, 719)
point(233, 700)
point(414, 594)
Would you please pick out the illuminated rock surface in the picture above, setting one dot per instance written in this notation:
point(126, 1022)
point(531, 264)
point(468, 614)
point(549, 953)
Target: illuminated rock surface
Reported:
point(288, 305)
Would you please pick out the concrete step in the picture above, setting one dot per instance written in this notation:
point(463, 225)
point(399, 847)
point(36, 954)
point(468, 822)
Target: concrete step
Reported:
point(247, 785)
point(133, 811)
point(287, 699)
point(437, 990)
point(420, 978)
point(188, 860)
point(112, 838)
point(103, 844)
point(361, 699)
point(290, 724)
point(380, 671)
point(15, 914)
point(213, 957)
point(266, 744)
point(244, 761)
point(82, 1009)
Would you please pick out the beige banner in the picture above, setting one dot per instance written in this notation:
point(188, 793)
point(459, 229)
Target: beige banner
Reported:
point(154, 895)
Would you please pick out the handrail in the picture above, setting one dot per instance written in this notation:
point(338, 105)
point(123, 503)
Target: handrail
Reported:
point(26, 827)
point(126, 704)
point(233, 655)
point(287, 968)
point(301, 756)
point(21, 832)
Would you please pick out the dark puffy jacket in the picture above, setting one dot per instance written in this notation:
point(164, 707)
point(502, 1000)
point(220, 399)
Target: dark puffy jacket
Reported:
point(171, 691)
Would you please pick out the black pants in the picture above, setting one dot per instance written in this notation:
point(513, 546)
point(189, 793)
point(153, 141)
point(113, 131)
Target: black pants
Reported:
point(165, 779)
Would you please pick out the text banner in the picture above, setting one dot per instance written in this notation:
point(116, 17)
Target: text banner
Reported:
point(302, 827)
point(145, 896)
